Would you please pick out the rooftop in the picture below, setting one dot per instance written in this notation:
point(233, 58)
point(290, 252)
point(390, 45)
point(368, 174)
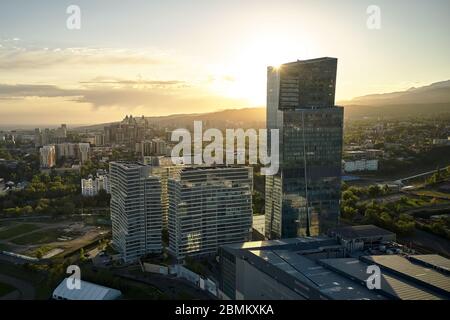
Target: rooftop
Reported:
point(416, 273)
point(433, 261)
point(363, 231)
point(87, 291)
point(320, 263)
point(294, 262)
point(395, 282)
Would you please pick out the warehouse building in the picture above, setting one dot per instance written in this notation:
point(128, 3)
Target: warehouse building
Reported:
point(320, 269)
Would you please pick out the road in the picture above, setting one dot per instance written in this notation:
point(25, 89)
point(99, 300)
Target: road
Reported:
point(26, 291)
point(170, 286)
point(424, 174)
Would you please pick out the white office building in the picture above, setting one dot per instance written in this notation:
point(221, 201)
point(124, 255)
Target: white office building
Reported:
point(136, 212)
point(209, 207)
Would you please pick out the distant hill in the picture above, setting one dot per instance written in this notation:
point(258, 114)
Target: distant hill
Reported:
point(230, 118)
point(397, 111)
point(425, 101)
point(438, 92)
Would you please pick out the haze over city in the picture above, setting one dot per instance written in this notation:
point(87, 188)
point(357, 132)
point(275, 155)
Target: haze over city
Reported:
point(159, 58)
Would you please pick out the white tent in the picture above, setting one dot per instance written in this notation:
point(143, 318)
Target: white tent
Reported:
point(87, 291)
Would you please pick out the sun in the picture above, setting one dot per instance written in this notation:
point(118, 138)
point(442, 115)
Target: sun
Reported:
point(248, 67)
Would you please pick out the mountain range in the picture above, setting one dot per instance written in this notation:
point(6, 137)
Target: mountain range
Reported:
point(428, 100)
point(438, 92)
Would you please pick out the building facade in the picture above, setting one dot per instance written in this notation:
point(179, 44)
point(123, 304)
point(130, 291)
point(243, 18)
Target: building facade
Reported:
point(70, 150)
point(136, 212)
point(47, 156)
point(208, 207)
point(92, 185)
point(128, 132)
point(302, 199)
point(84, 152)
point(319, 269)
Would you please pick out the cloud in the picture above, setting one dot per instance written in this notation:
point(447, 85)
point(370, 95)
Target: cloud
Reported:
point(102, 81)
point(17, 91)
point(15, 55)
point(155, 95)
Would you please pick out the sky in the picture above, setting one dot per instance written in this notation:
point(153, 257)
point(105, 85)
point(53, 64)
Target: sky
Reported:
point(166, 57)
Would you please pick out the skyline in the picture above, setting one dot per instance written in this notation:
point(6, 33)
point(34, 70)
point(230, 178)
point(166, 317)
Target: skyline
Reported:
point(204, 56)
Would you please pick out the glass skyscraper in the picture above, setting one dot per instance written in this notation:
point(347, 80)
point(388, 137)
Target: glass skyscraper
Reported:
point(302, 199)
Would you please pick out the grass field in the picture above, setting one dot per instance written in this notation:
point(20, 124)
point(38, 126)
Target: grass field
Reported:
point(39, 237)
point(5, 289)
point(17, 230)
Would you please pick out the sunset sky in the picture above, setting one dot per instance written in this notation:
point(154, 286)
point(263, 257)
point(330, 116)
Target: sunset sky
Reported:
point(165, 57)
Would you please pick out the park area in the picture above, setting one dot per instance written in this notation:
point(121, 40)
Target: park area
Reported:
point(48, 239)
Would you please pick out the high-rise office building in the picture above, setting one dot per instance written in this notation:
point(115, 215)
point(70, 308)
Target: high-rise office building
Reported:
point(47, 156)
point(135, 210)
point(302, 199)
point(209, 207)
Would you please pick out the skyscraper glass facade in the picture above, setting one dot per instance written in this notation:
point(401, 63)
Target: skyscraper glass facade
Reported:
point(303, 198)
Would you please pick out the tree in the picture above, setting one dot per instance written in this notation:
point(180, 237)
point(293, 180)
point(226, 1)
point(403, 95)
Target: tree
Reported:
point(374, 191)
point(385, 219)
point(344, 186)
point(82, 255)
point(27, 210)
point(349, 212)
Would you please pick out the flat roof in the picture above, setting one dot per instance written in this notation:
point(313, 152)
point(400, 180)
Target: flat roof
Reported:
point(310, 60)
point(363, 231)
point(432, 260)
point(422, 275)
point(392, 286)
point(330, 284)
point(294, 243)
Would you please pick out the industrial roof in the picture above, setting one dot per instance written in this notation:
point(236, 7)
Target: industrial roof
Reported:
point(392, 285)
point(307, 271)
point(414, 272)
point(432, 260)
point(87, 291)
point(291, 243)
point(317, 263)
point(363, 231)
